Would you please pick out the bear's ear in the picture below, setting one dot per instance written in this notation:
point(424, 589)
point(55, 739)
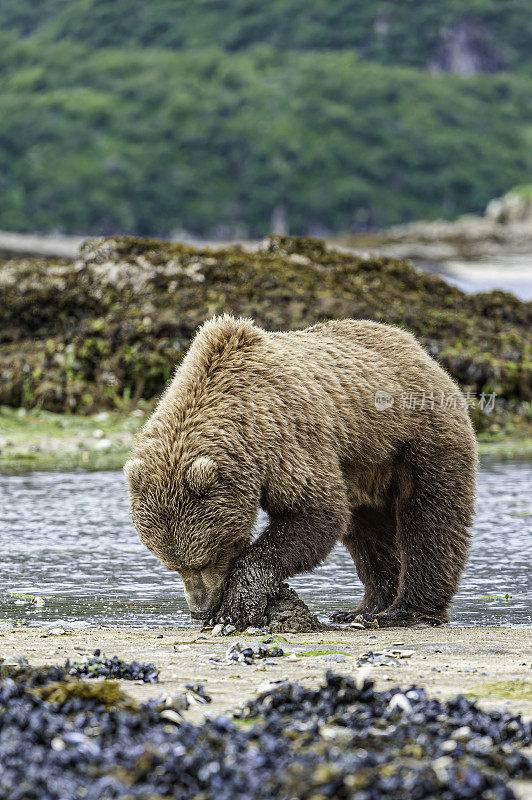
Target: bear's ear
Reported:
point(201, 474)
point(134, 470)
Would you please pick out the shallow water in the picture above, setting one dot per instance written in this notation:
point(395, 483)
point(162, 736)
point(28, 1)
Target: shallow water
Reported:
point(509, 273)
point(67, 537)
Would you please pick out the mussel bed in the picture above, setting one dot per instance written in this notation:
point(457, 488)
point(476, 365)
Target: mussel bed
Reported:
point(341, 740)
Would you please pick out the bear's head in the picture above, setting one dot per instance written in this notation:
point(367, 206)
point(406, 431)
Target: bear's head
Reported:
point(196, 518)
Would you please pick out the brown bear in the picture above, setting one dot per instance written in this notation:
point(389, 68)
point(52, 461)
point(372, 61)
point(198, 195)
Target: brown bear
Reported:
point(346, 431)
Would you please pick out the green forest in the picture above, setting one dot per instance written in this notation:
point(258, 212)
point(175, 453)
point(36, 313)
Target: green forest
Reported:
point(217, 118)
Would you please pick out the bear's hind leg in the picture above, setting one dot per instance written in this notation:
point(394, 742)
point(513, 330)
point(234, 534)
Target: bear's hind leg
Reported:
point(434, 511)
point(371, 541)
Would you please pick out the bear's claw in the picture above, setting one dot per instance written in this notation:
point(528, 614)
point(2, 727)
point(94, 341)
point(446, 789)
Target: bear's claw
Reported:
point(343, 616)
point(406, 619)
point(242, 612)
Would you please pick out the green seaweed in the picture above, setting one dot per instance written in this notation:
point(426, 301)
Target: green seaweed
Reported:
point(510, 690)
point(496, 597)
point(106, 692)
point(274, 639)
point(246, 722)
point(322, 653)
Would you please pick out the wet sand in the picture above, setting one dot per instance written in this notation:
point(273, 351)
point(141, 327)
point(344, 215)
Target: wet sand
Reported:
point(491, 663)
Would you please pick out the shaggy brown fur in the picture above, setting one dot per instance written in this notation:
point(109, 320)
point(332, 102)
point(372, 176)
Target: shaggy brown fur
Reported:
point(288, 421)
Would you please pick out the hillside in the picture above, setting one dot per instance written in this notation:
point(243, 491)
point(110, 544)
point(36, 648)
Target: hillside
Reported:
point(224, 119)
point(496, 35)
point(154, 142)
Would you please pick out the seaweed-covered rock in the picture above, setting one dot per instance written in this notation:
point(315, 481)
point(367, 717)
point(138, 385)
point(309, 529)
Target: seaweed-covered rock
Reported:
point(108, 329)
point(65, 692)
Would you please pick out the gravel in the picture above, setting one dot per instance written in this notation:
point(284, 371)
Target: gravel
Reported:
point(342, 741)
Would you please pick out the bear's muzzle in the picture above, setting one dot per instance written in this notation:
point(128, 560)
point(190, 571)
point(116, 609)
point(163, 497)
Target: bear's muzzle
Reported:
point(203, 591)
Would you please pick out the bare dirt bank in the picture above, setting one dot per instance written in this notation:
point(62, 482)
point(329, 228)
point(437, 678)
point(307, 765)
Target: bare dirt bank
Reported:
point(491, 664)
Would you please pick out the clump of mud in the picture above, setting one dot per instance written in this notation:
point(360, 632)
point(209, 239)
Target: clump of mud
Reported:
point(287, 613)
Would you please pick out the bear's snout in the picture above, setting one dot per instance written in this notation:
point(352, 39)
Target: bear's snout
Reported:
point(203, 591)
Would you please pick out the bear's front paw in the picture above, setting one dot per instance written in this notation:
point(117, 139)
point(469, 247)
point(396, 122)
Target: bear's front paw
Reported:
point(243, 607)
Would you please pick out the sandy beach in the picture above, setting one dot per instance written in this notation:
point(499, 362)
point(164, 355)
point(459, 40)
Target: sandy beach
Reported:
point(492, 664)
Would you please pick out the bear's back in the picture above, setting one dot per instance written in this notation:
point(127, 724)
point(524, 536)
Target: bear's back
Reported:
point(388, 340)
point(301, 388)
point(346, 366)
point(365, 351)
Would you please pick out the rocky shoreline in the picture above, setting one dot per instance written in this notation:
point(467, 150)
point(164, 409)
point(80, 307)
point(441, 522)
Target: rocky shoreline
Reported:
point(343, 739)
point(468, 239)
point(504, 230)
point(351, 710)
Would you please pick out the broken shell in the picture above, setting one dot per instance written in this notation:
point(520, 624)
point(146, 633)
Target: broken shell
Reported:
point(171, 716)
point(401, 702)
